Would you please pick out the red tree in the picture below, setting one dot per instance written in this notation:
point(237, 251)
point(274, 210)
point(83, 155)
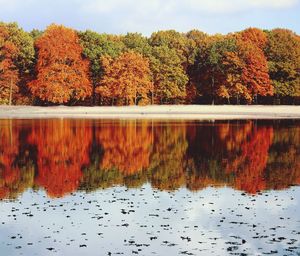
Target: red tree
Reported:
point(9, 75)
point(62, 73)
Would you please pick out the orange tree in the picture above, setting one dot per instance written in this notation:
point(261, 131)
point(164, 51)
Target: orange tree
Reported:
point(62, 73)
point(126, 77)
point(246, 68)
point(252, 42)
point(9, 76)
point(16, 62)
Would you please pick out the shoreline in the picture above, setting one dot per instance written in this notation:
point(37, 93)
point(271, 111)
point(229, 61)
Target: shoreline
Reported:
point(194, 112)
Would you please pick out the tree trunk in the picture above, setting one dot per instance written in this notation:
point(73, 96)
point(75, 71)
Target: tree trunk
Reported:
point(135, 100)
point(93, 95)
point(152, 98)
point(255, 99)
point(212, 90)
point(10, 92)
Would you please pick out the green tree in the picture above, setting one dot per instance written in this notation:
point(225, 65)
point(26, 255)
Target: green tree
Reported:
point(209, 65)
point(95, 46)
point(36, 33)
point(184, 46)
point(168, 76)
point(137, 43)
point(283, 55)
point(24, 42)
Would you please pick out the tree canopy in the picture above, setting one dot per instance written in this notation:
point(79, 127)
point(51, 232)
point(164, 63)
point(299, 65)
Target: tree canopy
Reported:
point(126, 77)
point(283, 55)
point(62, 73)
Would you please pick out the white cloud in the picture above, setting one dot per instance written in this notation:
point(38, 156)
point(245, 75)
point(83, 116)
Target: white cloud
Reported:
point(150, 15)
point(274, 3)
point(146, 16)
point(15, 4)
point(104, 6)
point(8, 4)
point(211, 6)
point(229, 6)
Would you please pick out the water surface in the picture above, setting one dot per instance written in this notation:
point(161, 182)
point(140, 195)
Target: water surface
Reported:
point(101, 187)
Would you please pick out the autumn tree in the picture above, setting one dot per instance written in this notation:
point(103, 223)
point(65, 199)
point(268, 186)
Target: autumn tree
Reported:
point(24, 43)
point(126, 77)
point(62, 73)
point(283, 55)
point(233, 66)
point(255, 72)
point(256, 36)
point(16, 62)
point(9, 76)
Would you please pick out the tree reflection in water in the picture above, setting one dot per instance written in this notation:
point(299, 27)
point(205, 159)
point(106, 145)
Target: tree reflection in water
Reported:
point(62, 156)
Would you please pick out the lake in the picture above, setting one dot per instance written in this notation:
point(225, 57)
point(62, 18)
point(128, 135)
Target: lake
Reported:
point(149, 187)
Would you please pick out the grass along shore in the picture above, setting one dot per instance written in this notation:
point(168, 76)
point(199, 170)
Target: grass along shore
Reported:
point(196, 112)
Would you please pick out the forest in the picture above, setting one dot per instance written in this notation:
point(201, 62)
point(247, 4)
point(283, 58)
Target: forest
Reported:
point(63, 66)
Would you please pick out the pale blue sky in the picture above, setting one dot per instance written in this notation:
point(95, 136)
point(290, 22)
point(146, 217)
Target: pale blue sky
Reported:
point(146, 16)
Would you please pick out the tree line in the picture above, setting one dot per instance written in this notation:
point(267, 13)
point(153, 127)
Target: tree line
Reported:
point(63, 66)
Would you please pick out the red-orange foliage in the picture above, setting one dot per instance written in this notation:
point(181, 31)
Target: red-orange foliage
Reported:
point(255, 73)
point(9, 75)
point(63, 149)
point(233, 154)
point(10, 174)
point(250, 160)
point(127, 146)
point(255, 36)
point(52, 154)
point(126, 77)
point(283, 167)
point(62, 73)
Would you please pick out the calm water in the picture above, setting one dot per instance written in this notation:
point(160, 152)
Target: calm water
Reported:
point(99, 187)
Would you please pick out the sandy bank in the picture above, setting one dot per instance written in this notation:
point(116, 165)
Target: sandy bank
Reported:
point(157, 112)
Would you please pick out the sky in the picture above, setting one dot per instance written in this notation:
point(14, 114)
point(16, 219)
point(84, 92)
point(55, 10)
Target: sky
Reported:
point(147, 16)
